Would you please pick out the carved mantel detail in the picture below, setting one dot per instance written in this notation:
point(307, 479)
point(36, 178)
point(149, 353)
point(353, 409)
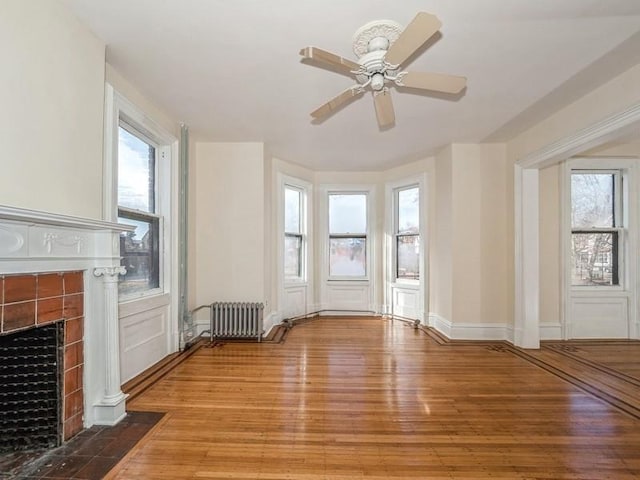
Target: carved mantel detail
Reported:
point(107, 272)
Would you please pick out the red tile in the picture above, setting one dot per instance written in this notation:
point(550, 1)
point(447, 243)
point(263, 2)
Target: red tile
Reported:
point(50, 285)
point(73, 330)
point(72, 427)
point(1, 290)
point(18, 315)
point(73, 355)
point(73, 404)
point(73, 379)
point(49, 310)
point(19, 288)
point(73, 282)
point(73, 305)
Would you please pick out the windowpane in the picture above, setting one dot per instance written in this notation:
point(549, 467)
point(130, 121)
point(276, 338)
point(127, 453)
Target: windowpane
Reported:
point(136, 172)
point(594, 258)
point(291, 210)
point(347, 257)
point(292, 256)
point(347, 214)
point(408, 256)
point(408, 211)
point(140, 256)
point(592, 200)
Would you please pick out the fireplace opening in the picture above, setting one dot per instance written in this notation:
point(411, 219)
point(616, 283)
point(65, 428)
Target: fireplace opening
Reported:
point(31, 376)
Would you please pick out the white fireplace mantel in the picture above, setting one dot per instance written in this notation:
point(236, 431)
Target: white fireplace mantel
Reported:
point(38, 242)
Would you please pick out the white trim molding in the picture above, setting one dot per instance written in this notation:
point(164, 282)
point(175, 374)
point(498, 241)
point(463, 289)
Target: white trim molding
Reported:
point(600, 132)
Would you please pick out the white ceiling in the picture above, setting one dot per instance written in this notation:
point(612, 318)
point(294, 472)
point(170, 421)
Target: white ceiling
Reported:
point(230, 69)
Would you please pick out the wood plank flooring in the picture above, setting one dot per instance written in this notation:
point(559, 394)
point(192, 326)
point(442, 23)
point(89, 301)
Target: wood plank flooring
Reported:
point(355, 398)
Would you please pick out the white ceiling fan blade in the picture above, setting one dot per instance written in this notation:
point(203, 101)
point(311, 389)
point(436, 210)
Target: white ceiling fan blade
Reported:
point(328, 58)
point(421, 29)
point(336, 102)
point(438, 82)
point(384, 109)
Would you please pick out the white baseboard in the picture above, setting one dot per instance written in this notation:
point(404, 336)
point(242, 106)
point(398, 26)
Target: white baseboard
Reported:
point(270, 321)
point(347, 313)
point(550, 331)
point(471, 331)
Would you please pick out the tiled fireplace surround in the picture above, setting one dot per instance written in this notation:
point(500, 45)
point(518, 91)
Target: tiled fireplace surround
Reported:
point(62, 268)
point(31, 301)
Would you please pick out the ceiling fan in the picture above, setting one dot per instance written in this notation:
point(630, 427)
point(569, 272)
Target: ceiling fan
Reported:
point(381, 47)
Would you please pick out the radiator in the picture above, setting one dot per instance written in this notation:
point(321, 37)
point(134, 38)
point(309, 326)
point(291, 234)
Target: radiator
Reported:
point(236, 320)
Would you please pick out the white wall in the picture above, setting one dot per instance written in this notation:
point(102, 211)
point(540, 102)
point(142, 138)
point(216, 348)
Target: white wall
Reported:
point(469, 287)
point(52, 97)
point(440, 252)
point(142, 101)
point(479, 234)
point(230, 222)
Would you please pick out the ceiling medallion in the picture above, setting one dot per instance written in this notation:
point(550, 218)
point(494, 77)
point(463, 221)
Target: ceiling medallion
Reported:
point(378, 28)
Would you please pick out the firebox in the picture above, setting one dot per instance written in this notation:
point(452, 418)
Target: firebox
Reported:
point(30, 394)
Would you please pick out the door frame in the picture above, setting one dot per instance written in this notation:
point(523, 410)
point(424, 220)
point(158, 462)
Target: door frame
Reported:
point(526, 213)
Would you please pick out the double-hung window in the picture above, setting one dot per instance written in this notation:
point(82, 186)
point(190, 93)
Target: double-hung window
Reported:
point(137, 200)
point(293, 234)
point(596, 227)
point(407, 233)
point(348, 235)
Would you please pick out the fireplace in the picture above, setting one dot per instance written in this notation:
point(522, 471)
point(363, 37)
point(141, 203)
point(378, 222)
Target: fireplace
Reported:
point(41, 359)
point(60, 274)
point(30, 395)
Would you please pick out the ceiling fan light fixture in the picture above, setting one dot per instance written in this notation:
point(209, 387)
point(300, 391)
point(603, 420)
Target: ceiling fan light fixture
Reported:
point(377, 82)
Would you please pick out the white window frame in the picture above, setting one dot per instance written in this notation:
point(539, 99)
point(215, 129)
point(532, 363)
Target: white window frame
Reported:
point(369, 246)
point(303, 189)
point(621, 168)
point(119, 109)
point(395, 235)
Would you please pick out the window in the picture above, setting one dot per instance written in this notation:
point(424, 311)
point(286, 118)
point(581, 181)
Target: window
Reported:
point(348, 235)
point(140, 249)
point(595, 227)
point(293, 233)
point(407, 233)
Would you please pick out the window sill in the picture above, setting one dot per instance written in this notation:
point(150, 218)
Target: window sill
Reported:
point(148, 301)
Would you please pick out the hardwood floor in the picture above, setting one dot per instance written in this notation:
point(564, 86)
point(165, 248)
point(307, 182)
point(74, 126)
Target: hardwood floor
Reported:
point(351, 398)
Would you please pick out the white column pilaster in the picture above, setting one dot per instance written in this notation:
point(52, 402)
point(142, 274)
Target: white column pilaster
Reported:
point(111, 408)
point(527, 261)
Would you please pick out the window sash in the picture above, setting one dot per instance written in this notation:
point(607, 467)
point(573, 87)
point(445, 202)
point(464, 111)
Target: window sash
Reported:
point(153, 170)
point(596, 268)
point(357, 257)
point(365, 222)
point(400, 275)
point(616, 195)
point(299, 267)
point(141, 258)
point(397, 229)
point(300, 216)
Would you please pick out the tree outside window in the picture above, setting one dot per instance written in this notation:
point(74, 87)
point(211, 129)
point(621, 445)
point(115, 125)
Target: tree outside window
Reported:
point(595, 209)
